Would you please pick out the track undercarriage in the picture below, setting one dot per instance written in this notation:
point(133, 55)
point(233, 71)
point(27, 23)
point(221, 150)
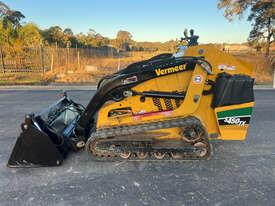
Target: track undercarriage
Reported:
point(140, 142)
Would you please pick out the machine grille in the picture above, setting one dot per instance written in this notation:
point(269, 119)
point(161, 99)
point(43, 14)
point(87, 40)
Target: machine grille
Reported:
point(157, 103)
point(168, 104)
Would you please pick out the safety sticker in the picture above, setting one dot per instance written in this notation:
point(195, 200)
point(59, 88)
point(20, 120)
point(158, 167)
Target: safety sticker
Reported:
point(130, 80)
point(226, 67)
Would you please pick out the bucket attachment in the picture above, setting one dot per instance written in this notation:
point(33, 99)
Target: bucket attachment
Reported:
point(34, 148)
point(47, 138)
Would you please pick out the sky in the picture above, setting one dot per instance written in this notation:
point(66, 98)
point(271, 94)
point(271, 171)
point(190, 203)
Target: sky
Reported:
point(146, 20)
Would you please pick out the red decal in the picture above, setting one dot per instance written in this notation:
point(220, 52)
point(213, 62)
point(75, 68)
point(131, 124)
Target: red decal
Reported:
point(148, 114)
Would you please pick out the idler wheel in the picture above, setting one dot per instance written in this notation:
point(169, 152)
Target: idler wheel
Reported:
point(125, 155)
point(142, 155)
point(159, 155)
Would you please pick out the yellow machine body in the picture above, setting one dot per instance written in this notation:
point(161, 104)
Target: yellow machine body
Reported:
point(194, 104)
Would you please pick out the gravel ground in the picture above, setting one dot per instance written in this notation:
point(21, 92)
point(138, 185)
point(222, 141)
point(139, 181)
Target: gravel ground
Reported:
point(239, 173)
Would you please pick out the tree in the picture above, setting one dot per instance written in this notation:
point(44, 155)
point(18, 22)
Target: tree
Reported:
point(3, 35)
point(10, 22)
point(29, 35)
point(10, 16)
point(82, 40)
point(92, 33)
point(93, 38)
point(123, 40)
point(262, 16)
point(68, 32)
point(71, 38)
point(96, 39)
point(125, 36)
point(55, 35)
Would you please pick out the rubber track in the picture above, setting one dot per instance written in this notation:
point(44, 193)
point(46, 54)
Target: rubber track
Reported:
point(128, 130)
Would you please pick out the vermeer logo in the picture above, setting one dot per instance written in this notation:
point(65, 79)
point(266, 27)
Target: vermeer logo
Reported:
point(160, 72)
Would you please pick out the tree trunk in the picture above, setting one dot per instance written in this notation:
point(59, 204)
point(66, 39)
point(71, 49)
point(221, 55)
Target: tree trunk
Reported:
point(269, 34)
point(267, 47)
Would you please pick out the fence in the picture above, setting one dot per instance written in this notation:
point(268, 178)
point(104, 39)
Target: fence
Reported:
point(42, 59)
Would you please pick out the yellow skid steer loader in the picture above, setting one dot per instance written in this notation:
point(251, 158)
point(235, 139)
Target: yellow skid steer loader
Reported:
point(168, 107)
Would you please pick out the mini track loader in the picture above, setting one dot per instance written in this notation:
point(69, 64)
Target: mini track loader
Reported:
point(168, 107)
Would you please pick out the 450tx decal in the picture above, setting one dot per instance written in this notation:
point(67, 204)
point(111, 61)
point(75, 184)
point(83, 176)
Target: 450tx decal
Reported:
point(234, 120)
point(241, 121)
point(239, 116)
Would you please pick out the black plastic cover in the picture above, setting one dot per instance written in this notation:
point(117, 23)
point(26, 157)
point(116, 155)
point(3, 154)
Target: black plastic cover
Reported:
point(232, 89)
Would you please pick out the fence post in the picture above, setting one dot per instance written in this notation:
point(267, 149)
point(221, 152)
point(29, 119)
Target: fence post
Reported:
point(118, 65)
point(2, 60)
point(67, 56)
point(51, 61)
point(78, 60)
point(42, 58)
point(57, 63)
point(274, 78)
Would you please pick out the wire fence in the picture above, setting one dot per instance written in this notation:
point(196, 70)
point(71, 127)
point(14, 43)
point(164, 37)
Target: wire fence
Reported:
point(42, 59)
